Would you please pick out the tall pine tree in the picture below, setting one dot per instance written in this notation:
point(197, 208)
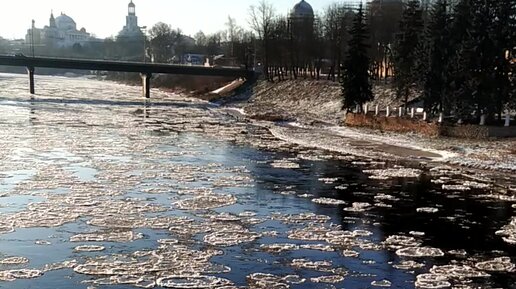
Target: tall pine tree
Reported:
point(405, 52)
point(504, 40)
point(462, 83)
point(356, 88)
point(436, 58)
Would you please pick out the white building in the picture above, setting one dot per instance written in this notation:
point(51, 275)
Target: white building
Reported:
point(61, 32)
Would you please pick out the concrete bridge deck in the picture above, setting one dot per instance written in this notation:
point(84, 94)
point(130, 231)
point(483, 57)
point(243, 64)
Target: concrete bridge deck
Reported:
point(145, 69)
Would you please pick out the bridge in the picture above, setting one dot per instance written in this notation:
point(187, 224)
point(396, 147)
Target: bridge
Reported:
point(145, 69)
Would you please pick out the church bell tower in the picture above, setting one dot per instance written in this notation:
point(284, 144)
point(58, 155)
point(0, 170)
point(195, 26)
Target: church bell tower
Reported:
point(132, 20)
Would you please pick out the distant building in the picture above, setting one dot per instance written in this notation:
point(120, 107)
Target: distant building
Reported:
point(302, 11)
point(61, 32)
point(302, 19)
point(131, 29)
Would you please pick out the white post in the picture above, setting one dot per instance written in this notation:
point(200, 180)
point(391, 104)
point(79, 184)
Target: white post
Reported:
point(412, 112)
point(357, 108)
point(366, 109)
point(507, 120)
point(388, 112)
point(377, 110)
point(400, 111)
point(425, 116)
point(459, 121)
point(483, 120)
point(441, 116)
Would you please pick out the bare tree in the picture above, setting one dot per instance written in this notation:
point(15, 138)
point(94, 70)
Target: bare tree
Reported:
point(162, 41)
point(261, 21)
point(232, 35)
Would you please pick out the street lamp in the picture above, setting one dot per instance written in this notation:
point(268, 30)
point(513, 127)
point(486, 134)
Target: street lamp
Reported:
point(144, 29)
point(32, 38)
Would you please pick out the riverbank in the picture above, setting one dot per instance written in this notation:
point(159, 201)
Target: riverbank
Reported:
point(312, 112)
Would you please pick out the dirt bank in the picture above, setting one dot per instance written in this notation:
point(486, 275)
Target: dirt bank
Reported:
point(315, 106)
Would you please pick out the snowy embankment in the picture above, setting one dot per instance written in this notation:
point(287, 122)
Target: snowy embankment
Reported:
point(314, 109)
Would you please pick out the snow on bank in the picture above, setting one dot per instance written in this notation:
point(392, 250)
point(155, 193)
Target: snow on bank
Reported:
point(489, 155)
point(316, 106)
point(325, 138)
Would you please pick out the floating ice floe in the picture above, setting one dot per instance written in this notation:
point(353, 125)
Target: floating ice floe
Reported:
point(89, 248)
point(385, 174)
point(381, 283)
point(328, 279)
point(278, 248)
point(396, 242)
point(12, 275)
point(459, 252)
point(168, 241)
point(500, 264)
point(385, 197)
point(458, 271)
point(432, 281)
point(429, 210)
point(14, 261)
point(476, 185)
point(420, 252)
point(329, 201)
point(230, 238)
point(508, 232)
point(120, 236)
point(456, 188)
point(318, 247)
point(206, 202)
point(189, 282)
point(358, 207)
point(408, 265)
point(328, 180)
point(350, 254)
point(324, 266)
point(301, 218)
point(285, 164)
point(266, 281)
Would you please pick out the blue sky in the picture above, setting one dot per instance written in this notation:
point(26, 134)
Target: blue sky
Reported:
point(106, 17)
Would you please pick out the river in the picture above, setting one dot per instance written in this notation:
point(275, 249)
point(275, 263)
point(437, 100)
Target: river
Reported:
point(101, 189)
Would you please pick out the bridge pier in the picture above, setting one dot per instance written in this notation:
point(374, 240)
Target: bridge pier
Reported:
point(146, 84)
point(30, 71)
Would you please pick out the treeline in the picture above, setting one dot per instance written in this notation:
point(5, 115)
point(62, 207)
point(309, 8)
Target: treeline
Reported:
point(459, 54)
point(462, 57)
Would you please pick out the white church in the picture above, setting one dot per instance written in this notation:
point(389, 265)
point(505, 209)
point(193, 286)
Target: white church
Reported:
point(61, 32)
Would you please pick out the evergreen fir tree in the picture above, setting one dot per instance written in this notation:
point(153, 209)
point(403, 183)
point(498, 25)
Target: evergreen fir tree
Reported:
point(504, 32)
point(405, 52)
point(356, 88)
point(483, 64)
point(462, 83)
point(436, 58)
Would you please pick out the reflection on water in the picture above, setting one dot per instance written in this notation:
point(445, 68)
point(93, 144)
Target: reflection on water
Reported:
point(100, 188)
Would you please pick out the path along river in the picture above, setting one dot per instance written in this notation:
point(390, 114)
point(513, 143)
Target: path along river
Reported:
point(99, 189)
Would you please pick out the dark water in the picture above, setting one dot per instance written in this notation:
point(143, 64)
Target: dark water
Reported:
point(119, 152)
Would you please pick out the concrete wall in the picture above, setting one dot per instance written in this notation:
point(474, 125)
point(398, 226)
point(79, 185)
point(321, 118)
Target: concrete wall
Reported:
point(395, 124)
point(432, 129)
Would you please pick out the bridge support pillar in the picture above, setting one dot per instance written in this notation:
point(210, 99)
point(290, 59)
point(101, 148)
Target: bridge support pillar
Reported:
point(146, 83)
point(30, 72)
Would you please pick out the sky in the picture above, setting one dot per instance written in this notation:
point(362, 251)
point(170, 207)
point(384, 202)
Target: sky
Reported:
point(105, 18)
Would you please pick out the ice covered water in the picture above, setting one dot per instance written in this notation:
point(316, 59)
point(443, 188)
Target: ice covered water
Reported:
point(102, 189)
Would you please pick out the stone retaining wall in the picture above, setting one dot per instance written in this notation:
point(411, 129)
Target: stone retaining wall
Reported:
point(395, 124)
point(432, 129)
